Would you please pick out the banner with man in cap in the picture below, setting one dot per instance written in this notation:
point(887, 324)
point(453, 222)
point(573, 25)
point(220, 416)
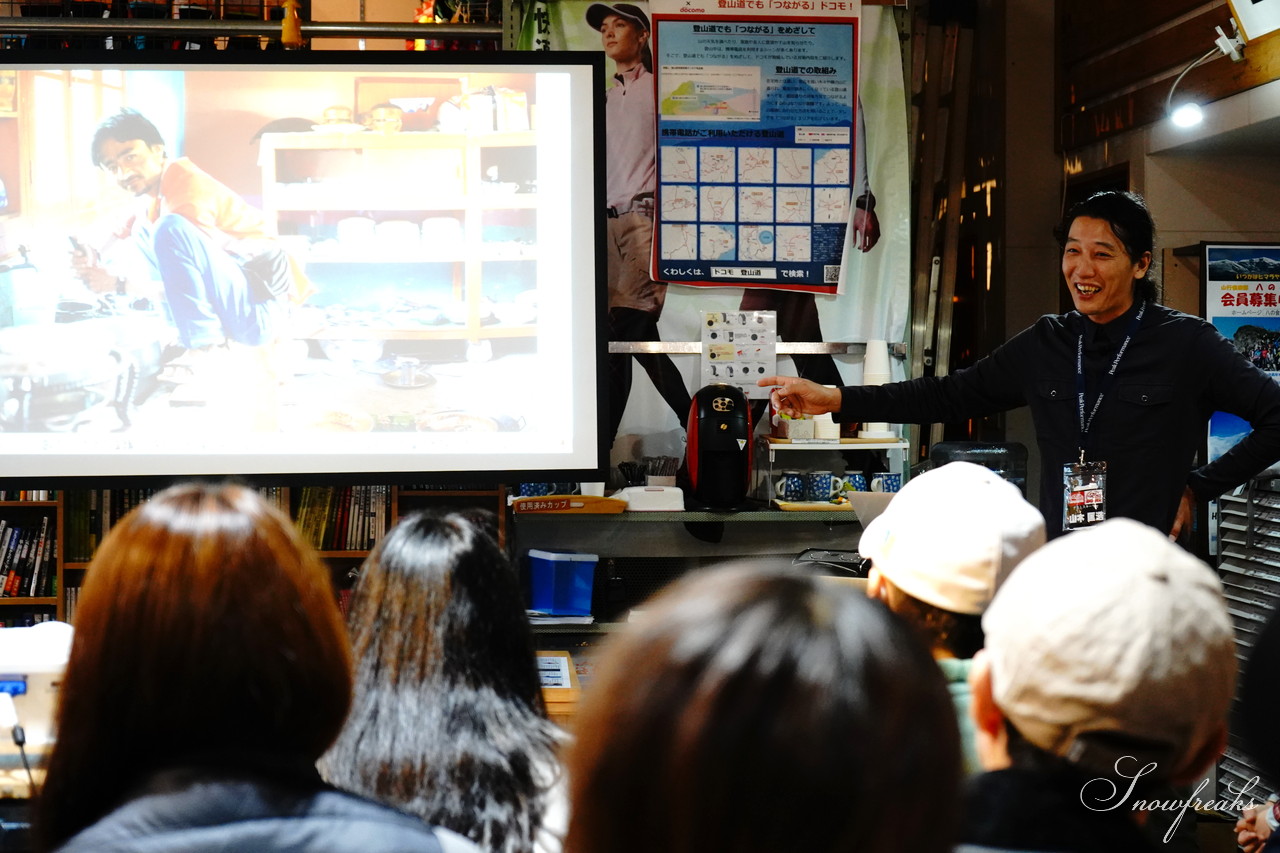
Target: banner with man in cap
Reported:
point(873, 291)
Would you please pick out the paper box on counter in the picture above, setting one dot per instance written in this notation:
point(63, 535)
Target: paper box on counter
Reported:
point(787, 428)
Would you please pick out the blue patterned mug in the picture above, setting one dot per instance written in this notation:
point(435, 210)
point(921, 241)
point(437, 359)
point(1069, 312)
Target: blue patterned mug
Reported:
point(790, 486)
point(821, 486)
point(886, 482)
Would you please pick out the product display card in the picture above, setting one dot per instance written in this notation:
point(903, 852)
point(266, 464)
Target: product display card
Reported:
point(553, 671)
point(738, 348)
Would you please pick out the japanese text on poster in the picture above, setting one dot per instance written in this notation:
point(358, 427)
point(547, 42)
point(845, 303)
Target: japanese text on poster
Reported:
point(1242, 300)
point(755, 149)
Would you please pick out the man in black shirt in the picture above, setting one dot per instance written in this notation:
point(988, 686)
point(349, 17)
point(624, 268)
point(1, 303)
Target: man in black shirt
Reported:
point(1120, 390)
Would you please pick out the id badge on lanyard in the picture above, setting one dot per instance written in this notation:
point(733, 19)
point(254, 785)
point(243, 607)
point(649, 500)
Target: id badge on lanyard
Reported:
point(1084, 498)
point(1084, 484)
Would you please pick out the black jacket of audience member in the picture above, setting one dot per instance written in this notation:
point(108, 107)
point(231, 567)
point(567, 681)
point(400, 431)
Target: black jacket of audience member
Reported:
point(1030, 810)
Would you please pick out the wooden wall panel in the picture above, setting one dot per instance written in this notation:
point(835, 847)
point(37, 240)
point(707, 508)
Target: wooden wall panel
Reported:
point(1117, 60)
point(1216, 79)
point(1088, 27)
point(1165, 51)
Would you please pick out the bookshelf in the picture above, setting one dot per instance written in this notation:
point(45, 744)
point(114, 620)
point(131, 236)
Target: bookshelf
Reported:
point(343, 523)
point(30, 558)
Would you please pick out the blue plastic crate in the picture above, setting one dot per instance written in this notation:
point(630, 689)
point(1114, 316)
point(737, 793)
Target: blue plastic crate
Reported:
point(562, 581)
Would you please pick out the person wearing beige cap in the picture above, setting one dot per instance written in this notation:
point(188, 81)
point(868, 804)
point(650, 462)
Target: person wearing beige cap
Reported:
point(938, 553)
point(1105, 682)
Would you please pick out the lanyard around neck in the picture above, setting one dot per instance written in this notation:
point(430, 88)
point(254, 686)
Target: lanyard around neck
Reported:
point(1104, 385)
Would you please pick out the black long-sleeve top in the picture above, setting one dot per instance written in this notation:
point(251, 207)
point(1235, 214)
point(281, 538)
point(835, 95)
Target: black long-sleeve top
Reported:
point(1153, 420)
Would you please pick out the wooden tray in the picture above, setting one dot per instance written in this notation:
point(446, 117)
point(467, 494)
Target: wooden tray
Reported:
point(812, 506)
point(569, 504)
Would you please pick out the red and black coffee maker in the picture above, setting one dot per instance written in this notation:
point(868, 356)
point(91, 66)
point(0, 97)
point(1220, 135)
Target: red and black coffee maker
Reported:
point(718, 451)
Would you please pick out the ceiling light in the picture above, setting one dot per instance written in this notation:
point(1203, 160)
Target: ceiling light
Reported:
point(1190, 114)
point(1187, 115)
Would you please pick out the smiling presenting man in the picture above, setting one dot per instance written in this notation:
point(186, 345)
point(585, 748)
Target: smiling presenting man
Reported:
point(1120, 389)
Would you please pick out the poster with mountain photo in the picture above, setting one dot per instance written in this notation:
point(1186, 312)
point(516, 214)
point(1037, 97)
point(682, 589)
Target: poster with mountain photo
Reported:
point(1242, 299)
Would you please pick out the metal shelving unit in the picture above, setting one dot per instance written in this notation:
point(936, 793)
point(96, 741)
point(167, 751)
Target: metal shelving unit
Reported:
point(1249, 566)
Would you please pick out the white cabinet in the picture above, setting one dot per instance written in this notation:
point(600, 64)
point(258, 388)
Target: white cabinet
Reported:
point(773, 455)
point(459, 210)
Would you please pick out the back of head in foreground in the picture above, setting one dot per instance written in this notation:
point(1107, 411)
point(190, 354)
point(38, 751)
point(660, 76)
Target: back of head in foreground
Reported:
point(448, 721)
point(944, 545)
point(206, 635)
point(1111, 654)
point(763, 710)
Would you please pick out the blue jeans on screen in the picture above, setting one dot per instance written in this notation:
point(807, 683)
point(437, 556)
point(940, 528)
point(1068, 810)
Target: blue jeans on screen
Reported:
point(209, 298)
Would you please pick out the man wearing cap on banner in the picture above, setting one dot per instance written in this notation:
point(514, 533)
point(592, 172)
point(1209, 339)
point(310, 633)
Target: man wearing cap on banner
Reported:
point(1107, 676)
point(631, 177)
point(1120, 390)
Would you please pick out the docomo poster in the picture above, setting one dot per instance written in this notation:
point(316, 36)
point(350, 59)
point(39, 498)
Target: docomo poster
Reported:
point(1242, 300)
point(873, 297)
point(760, 164)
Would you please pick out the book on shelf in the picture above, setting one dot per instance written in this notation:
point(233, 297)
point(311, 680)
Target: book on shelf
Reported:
point(94, 524)
point(299, 518)
point(69, 604)
point(349, 521)
point(44, 554)
point(338, 535)
point(80, 515)
point(362, 521)
point(383, 517)
point(371, 516)
point(24, 563)
point(327, 496)
point(106, 502)
point(6, 562)
point(8, 583)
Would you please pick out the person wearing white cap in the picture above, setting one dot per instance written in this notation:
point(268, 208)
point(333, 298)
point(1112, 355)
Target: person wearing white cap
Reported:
point(1107, 675)
point(938, 553)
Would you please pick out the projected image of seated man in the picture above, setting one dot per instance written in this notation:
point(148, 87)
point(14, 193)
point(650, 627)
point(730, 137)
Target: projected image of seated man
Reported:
point(224, 279)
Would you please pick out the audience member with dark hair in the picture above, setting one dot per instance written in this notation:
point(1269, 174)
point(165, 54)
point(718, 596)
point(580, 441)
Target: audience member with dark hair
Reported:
point(209, 671)
point(448, 721)
point(1108, 670)
point(938, 552)
point(764, 710)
